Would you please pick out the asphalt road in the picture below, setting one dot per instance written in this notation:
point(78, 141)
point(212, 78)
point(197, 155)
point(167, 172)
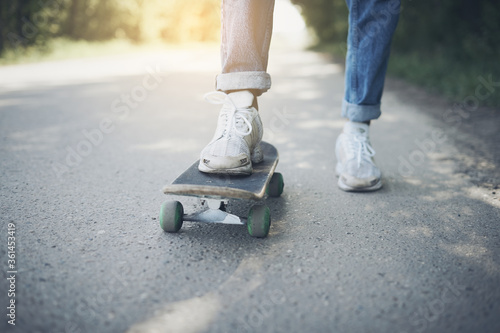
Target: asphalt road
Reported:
point(86, 145)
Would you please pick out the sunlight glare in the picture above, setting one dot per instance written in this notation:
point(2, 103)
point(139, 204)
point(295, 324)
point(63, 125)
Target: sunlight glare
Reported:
point(287, 17)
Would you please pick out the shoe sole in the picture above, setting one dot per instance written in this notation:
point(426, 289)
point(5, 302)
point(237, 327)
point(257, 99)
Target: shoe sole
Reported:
point(344, 187)
point(243, 170)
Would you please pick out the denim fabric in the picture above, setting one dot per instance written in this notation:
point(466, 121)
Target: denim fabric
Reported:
point(246, 36)
point(371, 26)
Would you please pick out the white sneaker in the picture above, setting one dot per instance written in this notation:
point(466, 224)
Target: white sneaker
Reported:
point(236, 143)
point(355, 165)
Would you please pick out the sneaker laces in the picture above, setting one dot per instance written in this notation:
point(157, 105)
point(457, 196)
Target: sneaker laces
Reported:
point(364, 150)
point(237, 116)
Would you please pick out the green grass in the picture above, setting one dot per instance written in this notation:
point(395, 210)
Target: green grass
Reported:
point(439, 73)
point(454, 79)
point(60, 49)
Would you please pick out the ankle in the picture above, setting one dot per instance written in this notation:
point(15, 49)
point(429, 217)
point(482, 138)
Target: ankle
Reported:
point(361, 122)
point(255, 104)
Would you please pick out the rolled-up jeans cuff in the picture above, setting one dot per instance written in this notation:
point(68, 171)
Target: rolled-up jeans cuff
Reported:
point(360, 113)
point(259, 82)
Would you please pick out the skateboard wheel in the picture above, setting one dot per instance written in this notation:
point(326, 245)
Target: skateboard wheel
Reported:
point(171, 213)
point(276, 185)
point(259, 221)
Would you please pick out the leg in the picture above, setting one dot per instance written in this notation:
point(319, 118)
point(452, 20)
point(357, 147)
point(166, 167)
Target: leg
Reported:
point(371, 26)
point(246, 37)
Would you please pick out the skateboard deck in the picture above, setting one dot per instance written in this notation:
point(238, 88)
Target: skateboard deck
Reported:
point(214, 192)
point(193, 182)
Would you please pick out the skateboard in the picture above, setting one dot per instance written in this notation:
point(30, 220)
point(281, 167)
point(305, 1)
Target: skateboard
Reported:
point(214, 192)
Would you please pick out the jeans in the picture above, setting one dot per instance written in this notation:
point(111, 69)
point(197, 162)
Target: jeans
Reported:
point(246, 36)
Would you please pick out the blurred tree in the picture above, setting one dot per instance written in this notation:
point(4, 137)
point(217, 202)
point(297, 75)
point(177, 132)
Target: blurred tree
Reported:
point(73, 17)
point(327, 18)
point(15, 28)
point(441, 44)
point(467, 29)
point(28, 22)
point(33, 22)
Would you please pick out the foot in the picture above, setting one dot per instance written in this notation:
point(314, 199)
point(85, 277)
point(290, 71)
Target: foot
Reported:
point(356, 168)
point(236, 143)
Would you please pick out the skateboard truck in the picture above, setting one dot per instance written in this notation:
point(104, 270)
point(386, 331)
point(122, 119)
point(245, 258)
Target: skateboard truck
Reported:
point(214, 211)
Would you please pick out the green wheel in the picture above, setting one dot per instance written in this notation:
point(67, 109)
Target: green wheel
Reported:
point(276, 185)
point(259, 221)
point(171, 213)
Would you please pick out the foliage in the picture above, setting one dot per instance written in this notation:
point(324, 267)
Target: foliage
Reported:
point(467, 29)
point(328, 18)
point(26, 23)
point(441, 44)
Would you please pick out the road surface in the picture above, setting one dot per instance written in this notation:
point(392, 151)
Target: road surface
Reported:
point(87, 144)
